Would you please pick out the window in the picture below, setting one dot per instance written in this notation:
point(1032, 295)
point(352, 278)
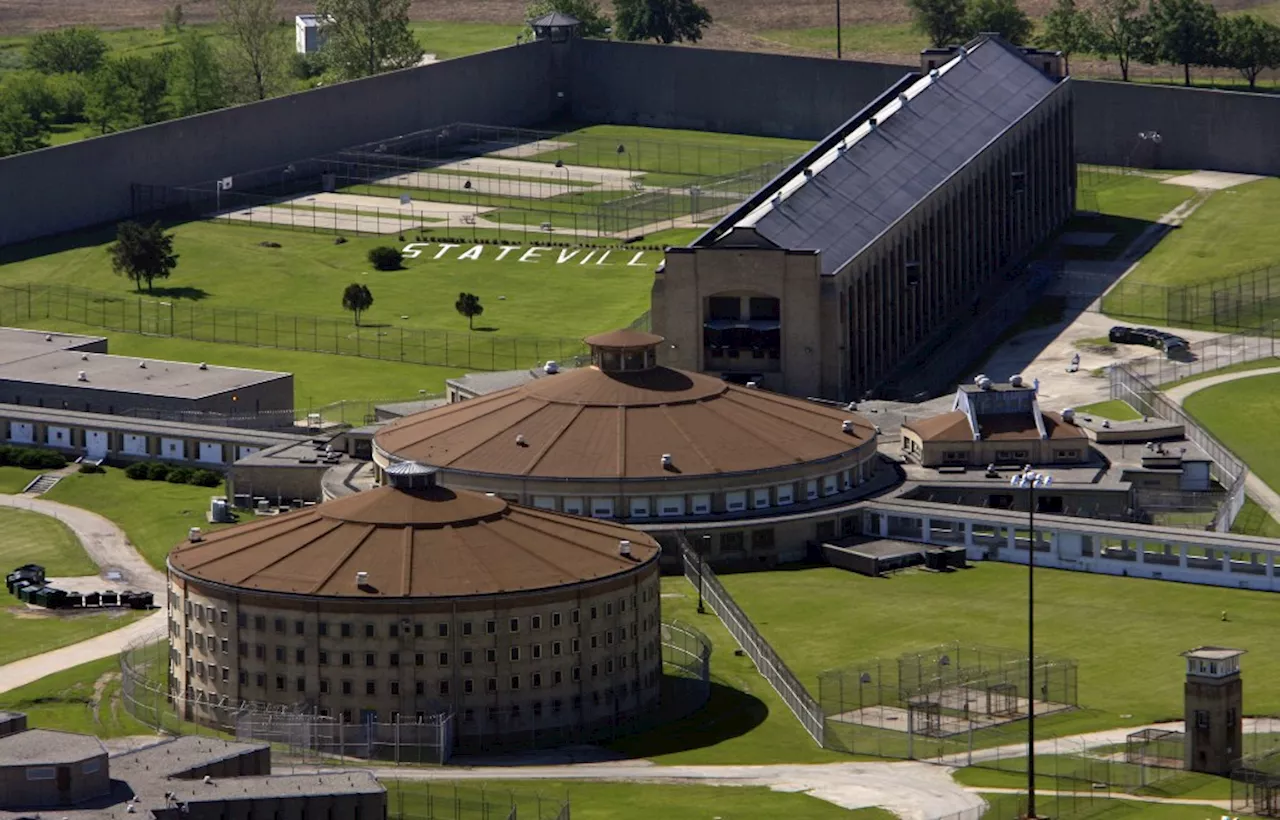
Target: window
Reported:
point(594, 613)
point(515, 653)
point(243, 678)
point(346, 658)
point(346, 687)
point(280, 654)
point(226, 644)
point(515, 682)
point(830, 484)
point(785, 494)
point(1202, 719)
point(491, 655)
point(42, 772)
point(701, 504)
point(466, 657)
point(536, 680)
point(640, 507)
point(419, 658)
point(555, 619)
point(370, 659)
point(279, 624)
point(577, 673)
point(466, 627)
point(536, 649)
point(417, 630)
point(491, 685)
point(301, 684)
point(574, 645)
point(346, 630)
point(595, 641)
point(300, 656)
point(574, 616)
point(602, 508)
point(395, 687)
point(322, 629)
point(555, 649)
point(226, 674)
point(762, 539)
point(444, 687)
point(370, 687)
point(573, 506)
point(222, 617)
point(261, 680)
point(514, 624)
point(442, 630)
point(731, 542)
point(279, 683)
point(299, 628)
point(393, 630)
point(735, 501)
point(544, 502)
point(467, 686)
point(759, 498)
point(324, 686)
point(443, 659)
point(419, 688)
point(324, 658)
point(669, 505)
point(557, 677)
point(535, 622)
point(242, 620)
point(490, 627)
point(369, 630)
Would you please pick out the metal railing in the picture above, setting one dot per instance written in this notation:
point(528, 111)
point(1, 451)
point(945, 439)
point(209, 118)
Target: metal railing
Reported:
point(766, 659)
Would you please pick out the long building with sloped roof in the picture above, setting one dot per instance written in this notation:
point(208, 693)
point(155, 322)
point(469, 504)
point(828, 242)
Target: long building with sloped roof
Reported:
point(886, 236)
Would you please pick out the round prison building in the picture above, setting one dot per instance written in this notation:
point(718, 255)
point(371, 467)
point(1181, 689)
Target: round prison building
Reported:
point(752, 477)
point(414, 600)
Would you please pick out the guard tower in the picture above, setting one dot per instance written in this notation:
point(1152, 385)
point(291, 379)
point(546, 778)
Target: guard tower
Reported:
point(556, 26)
point(1214, 697)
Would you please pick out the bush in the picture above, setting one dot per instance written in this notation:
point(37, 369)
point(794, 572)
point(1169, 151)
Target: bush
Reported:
point(157, 471)
point(180, 475)
point(40, 459)
point(89, 468)
point(206, 478)
point(138, 471)
point(386, 257)
point(306, 66)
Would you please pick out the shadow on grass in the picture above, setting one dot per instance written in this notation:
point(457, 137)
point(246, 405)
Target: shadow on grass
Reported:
point(728, 713)
point(485, 329)
point(180, 292)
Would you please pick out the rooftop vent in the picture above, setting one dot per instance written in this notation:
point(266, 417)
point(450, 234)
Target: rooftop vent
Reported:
point(872, 123)
point(1069, 415)
point(1015, 380)
point(808, 173)
point(194, 535)
point(753, 385)
point(208, 779)
point(551, 367)
point(978, 378)
point(666, 459)
point(777, 200)
point(82, 376)
point(902, 98)
point(933, 73)
point(846, 426)
point(520, 440)
point(142, 364)
point(362, 579)
point(624, 548)
point(84, 357)
point(204, 366)
point(985, 383)
point(851, 406)
point(48, 337)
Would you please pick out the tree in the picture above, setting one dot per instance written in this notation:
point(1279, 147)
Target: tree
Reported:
point(367, 37)
point(33, 92)
point(128, 92)
point(1001, 16)
point(1121, 31)
point(357, 299)
point(942, 21)
point(256, 54)
point(667, 21)
point(143, 253)
point(18, 130)
point(174, 19)
point(78, 50)
point(1184, 32)
point(1248, 44)
point(595, 23)
point(468, 305)
point(196, 76)
point(1067, 29)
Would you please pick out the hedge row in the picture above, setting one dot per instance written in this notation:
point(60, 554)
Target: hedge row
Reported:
point(155, 471)
point(31, 458)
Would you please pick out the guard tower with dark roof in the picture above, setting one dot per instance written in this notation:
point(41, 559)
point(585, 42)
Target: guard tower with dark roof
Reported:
point(883, 239)
point(556, 27)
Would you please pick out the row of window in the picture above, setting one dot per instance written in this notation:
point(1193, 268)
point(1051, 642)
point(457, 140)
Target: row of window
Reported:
point(211, 644)
point(535, 680)
point(281, 626)
point(759, 498)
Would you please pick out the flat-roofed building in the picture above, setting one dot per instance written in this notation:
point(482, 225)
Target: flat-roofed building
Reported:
point(886, 236)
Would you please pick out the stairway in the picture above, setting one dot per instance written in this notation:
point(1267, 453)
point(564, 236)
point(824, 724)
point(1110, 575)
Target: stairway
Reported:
point(42, 484)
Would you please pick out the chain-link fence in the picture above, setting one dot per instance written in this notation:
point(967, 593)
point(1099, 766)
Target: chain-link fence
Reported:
point(428, 800)
point(243, 326)
point(1230, 471)
point(1209, 355)
point(765, 658)
point(1241, 301)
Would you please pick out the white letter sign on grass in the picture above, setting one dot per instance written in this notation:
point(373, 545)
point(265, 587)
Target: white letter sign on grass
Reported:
point(534, 253)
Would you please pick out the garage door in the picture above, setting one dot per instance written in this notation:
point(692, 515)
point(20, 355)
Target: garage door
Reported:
point(242, 451)
point(210, 453)
point(135, 444)
point(23, 432)
point(172, 448)
point(58, 436)
point(95, 443)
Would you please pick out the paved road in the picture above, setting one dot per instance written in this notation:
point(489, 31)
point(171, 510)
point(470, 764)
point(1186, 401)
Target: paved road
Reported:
point(110, 549)
point(1255, 487)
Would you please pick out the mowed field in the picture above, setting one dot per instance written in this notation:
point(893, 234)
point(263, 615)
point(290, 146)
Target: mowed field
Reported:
point(1125, 633)
point(1242, 414)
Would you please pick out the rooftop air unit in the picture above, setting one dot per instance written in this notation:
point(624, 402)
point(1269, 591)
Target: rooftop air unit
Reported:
point(1015, 380)
point(362, 579)
point(985, 383)
point(194, 535)
point(84, 357)
point(551, 368)
point(142, 364)
point(1069, 415)
point(520, 440)
point(82, 376)
point(808, 173)
point(978, 378)
point(624, 548)
point(204, 366)
point(753, 385)
point(666, 460)
point(933, 73)
point(846, 426)
point(48, 337)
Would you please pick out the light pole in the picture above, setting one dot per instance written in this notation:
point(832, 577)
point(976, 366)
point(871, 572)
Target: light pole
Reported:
point(475, 207)
point(702, 557)
point(560, 164)
point(1030, 480)
point(1152, 137)
point(622, 149)
point(837, 29)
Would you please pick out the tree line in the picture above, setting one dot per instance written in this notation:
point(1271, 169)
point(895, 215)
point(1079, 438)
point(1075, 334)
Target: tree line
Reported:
point(70, 79)
point(1182, 33)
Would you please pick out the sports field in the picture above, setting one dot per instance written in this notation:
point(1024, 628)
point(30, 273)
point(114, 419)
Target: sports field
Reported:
point(1125, 633)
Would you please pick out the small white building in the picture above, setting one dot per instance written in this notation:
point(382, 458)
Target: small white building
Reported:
point(308, 39)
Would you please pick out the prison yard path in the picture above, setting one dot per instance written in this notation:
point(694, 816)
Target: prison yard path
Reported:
point(109, 548)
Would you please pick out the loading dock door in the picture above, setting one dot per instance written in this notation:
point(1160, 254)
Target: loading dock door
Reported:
point(95, 443)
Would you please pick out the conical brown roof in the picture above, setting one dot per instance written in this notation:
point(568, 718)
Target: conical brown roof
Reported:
point(433, 542)
point(585, 423)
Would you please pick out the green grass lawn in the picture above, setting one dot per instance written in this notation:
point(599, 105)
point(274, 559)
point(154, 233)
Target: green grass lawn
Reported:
point(15, 479)
point(1122, 631)
point(155, 515)
point(33, 538)
point(1254, 520)
point(1115, 409)
point(25, 632)
point(1123, 205)
point(1239, 367)
point(225, 266)
point(744, 722)
point(65, 701)
point(1229, 234)
point(882, 38)
point(1241, 414)
point(620, 801)
point(1075, 773)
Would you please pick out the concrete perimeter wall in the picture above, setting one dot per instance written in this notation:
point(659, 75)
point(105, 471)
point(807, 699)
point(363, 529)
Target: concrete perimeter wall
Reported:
point(730, 91)
point(88, 183)
point(1199, 128)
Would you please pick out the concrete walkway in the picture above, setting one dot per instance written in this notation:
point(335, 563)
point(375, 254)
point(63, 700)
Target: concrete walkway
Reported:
point(1225, 805)
point(110, 549)
point(1255, 487)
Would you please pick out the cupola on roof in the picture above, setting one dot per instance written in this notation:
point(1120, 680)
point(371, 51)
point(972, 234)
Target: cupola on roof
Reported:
point(413, 539)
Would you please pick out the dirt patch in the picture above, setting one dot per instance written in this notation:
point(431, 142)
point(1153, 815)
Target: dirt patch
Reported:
point(99, 687)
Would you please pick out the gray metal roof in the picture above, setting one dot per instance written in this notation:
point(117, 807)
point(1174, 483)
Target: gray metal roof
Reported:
point(555, 18)
point(47, 747)
point(127, 374)
point(866, 176)
point(155, 427)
